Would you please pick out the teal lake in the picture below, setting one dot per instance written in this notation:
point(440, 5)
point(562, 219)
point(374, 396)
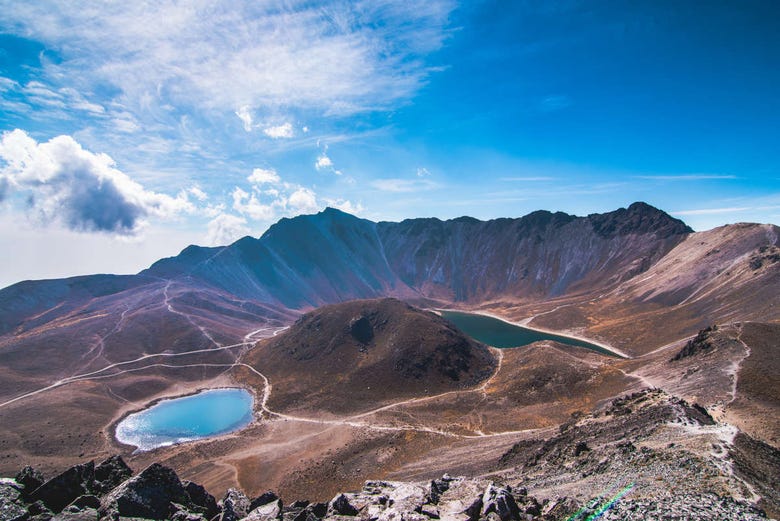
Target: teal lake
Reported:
point(503, 335)
point(195, 417)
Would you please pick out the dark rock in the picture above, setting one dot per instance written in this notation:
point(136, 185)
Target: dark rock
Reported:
point(62, 489)
point(340, 505)
point(149, 495)
point(38, 510)
point(306, 515)
point(30, 479)
point(500, 501)
point(580, 448)
point(88, 514)
point(11, 504)
point(110, 474)
point(318, 509)
point(439, 487)
point(361, 330)
point(263, 499)
point(235, 505)
point(85, 501)
point(201, 498)
point(699, 344)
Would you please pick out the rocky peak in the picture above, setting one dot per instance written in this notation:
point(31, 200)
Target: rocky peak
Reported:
point(638, 218)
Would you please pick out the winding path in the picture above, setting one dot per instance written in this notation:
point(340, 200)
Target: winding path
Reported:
point(119, 368)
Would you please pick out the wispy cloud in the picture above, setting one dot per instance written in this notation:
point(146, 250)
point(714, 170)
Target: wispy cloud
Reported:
point(324, 162)
point(404, 185)
point(530, 179)
point(728, 209)
point(555, 103)
point(686, 177)
point(343, 57)
point(711, 211)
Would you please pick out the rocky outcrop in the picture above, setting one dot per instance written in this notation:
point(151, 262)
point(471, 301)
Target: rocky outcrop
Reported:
point(156, 493)
point(699, 344)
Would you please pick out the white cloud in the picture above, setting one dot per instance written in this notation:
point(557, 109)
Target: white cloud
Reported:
point(303, 200)
point(332, 56)
point(84, 191)
point(264, 176)
point(345, 206)
point(245, 116)
point(284, 130)
point(225, 229)
point(323, 161)
point(250, 205)
point(403, 185)
point(199, 194)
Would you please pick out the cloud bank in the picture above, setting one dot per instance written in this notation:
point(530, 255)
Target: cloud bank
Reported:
point(63, 182)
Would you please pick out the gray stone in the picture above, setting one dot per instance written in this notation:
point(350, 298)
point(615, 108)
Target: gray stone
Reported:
point(11, 503)
point(149, 495)
point(235, 505)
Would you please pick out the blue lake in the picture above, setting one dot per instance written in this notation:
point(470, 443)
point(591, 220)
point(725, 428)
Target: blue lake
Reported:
point(176, 420)
point(501, 334)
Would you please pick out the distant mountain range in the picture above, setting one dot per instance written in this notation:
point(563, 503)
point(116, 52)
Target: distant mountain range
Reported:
point(312, 260)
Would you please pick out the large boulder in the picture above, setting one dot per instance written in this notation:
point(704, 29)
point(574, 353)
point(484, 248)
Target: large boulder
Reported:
point(201, 498)
point(341, 506)
point(267, 512)
point(462, 501)
point(235, 505)
point(500, 500)
point(110, 473)
point(149, 495)
point(61, 490)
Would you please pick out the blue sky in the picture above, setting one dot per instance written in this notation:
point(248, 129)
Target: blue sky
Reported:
point(130, 131)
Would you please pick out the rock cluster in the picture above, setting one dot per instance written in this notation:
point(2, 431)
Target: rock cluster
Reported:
point(109, 492)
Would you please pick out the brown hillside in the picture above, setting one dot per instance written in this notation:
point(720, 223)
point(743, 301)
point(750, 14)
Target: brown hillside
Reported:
point(355, 355)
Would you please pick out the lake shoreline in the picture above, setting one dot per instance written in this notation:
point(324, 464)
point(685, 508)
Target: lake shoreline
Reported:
point(610, 350)
point(157, 401)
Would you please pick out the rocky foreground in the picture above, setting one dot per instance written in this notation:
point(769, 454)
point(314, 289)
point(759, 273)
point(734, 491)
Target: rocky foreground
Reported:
point(627, 461)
